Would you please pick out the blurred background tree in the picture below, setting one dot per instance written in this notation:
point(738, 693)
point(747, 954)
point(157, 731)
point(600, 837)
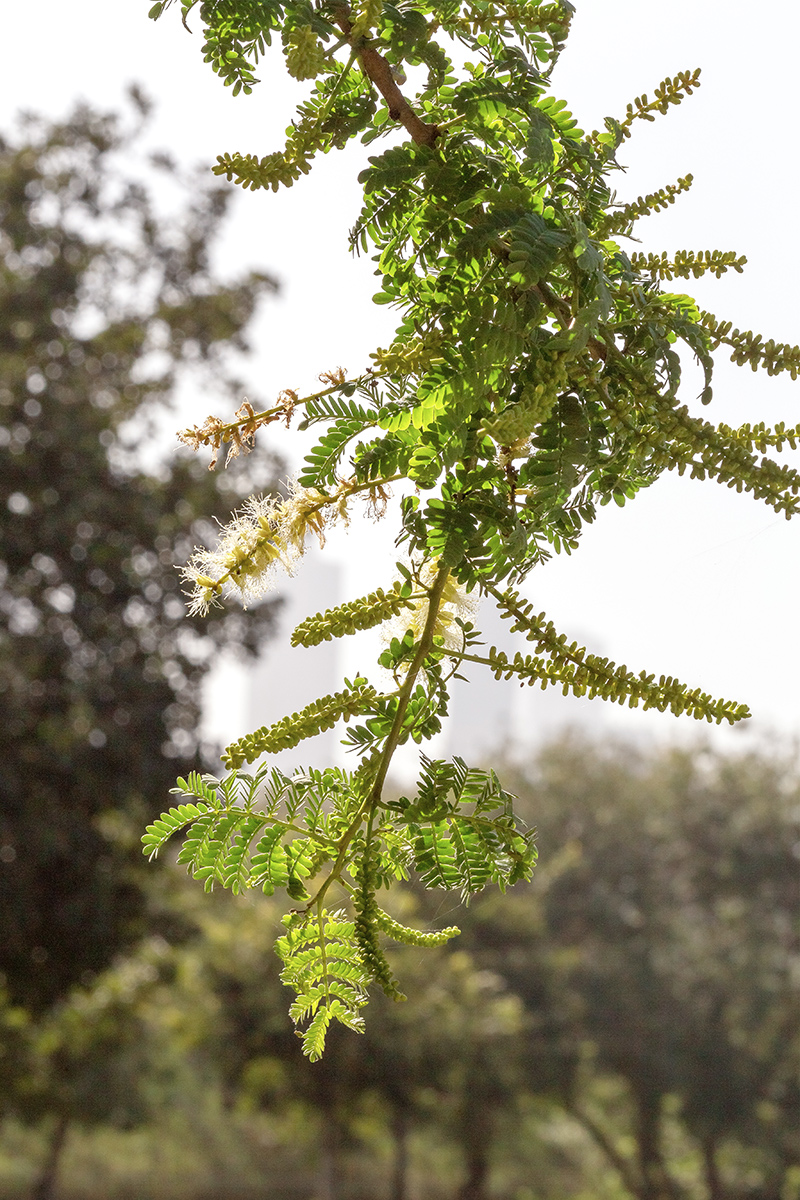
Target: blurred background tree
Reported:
point(627, 1026)
point(103, 308)
point(657, 958)
point(107, 306)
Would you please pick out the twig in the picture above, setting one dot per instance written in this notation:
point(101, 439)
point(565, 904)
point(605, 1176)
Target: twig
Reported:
point(378, 70)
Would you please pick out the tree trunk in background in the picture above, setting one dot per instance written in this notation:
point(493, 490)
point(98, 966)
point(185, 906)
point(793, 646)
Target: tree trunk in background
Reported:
point(476, 1139)
point(400, 1164)
point(330, 1168)
point(657, 1184)
point(474, 1186)
point(45, 1187)
point(711, 1169)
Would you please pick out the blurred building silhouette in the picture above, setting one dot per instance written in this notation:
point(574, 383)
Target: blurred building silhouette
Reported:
point(485, 715)
point(286, 678)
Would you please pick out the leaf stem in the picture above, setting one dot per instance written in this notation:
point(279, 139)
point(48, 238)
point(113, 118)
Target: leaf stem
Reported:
point(225, 431)
point(344, 843)
point(322, 953)
point(373, 798)
point(425, 644)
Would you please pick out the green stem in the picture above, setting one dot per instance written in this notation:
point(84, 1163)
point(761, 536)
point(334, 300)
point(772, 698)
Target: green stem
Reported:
point(462, 656)
point(185, 14)
point(425, 644)
point(323, 112)
point(236, 811)
point(372, 800)
point(279, 410)
point(538, 637)
point(344, 844)
point(323, 955)
point(365, 487)
point(453, 121)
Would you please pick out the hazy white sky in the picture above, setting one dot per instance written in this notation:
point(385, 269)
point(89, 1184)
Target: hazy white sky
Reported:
point(690, 579)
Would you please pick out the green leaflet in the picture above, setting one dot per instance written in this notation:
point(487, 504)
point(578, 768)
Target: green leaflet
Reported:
point(534, 247)
point(565, 449)
point(588, 674)
point(585, 674)
point(383, 456)
point(236, 34)
point(464, 830)
point(323, 461)
point(159, 832)
point(539, 143)
point(687, 263)
point(419, 417)
point(533, 408)
point(750, 348)
point(267, 830)
point(367, 926)
point(413, 937)
point(622, 221)
point(305, 56)
point(348, 421)
point(669, 92)
point(323, 966)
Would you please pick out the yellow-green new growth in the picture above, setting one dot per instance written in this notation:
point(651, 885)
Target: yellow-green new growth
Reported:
point(367, 14)
point(322, 964)
point(305, 54)
point(413, 937)
point(355, 615)
point(584, 674)
point(533, 407)
point(289, 731)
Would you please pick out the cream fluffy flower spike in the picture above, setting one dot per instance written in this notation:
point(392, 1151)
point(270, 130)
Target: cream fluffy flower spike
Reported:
point(455, 602)
point(265, 534)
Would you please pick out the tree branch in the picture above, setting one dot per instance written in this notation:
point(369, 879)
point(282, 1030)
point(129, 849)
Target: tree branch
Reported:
point(378, 70)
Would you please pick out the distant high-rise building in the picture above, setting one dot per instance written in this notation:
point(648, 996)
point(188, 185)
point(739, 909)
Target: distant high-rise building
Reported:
point(286, 678)
point(486, 715)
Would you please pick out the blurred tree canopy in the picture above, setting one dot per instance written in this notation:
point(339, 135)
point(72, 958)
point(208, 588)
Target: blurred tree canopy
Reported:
point(624, 1027)
point(658, 963)
point(106, 306)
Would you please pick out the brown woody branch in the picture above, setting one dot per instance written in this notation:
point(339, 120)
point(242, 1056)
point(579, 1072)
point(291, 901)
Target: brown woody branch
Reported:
point(561, 309)
point(379, 72)
point(623, 1166)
